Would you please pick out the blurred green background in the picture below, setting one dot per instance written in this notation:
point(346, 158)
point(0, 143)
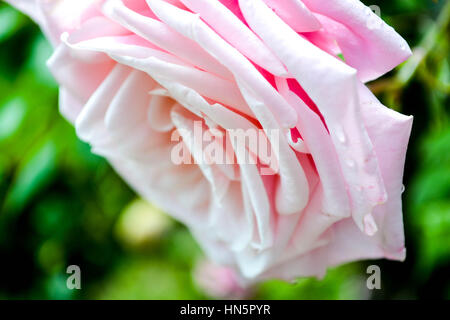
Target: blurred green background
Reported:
point(61, 205)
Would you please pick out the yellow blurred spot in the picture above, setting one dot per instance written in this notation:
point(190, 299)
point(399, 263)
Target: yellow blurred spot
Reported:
point(141, 223)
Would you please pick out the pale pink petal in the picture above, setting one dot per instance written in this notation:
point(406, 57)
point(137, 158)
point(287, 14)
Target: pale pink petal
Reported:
point(330, 83)
point(227, 25)
point(375, 47)
point(295, 14)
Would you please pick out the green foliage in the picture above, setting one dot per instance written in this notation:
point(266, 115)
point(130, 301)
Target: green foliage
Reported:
point(62, 205)
point(346, 282)
point(430, 200)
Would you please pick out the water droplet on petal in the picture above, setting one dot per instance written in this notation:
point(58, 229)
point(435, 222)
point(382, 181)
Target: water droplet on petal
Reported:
point(370, 227)
point(351, 163)
point(340, 135)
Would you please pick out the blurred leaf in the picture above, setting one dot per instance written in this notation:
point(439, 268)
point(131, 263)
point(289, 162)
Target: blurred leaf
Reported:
point(434, 224)
point(181, 248)
point(56, 287)
point(11, 116)
point(148, 279)
point(32, 176)
point(51, 217)
point(51, 256)
point(430, 194)
point(36, 64)
point(10, 21)
point(345, 282)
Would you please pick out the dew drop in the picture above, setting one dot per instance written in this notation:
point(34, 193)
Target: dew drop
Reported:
point(370, 227)
point(340, 135)
point(351, 163)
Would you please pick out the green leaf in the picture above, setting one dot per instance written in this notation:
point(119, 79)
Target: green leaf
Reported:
point(11, 116)
point(33, 176)
point(10, 21)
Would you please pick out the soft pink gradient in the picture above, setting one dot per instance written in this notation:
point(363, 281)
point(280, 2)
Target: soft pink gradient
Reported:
point(219, 281)
point(133, 71)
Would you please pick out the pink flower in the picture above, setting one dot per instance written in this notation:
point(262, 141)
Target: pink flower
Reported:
point(134, 71)
point(219, 281)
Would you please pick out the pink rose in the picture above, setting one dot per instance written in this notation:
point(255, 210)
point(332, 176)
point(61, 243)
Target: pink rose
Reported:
point(219, 281)
point(133, 72)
